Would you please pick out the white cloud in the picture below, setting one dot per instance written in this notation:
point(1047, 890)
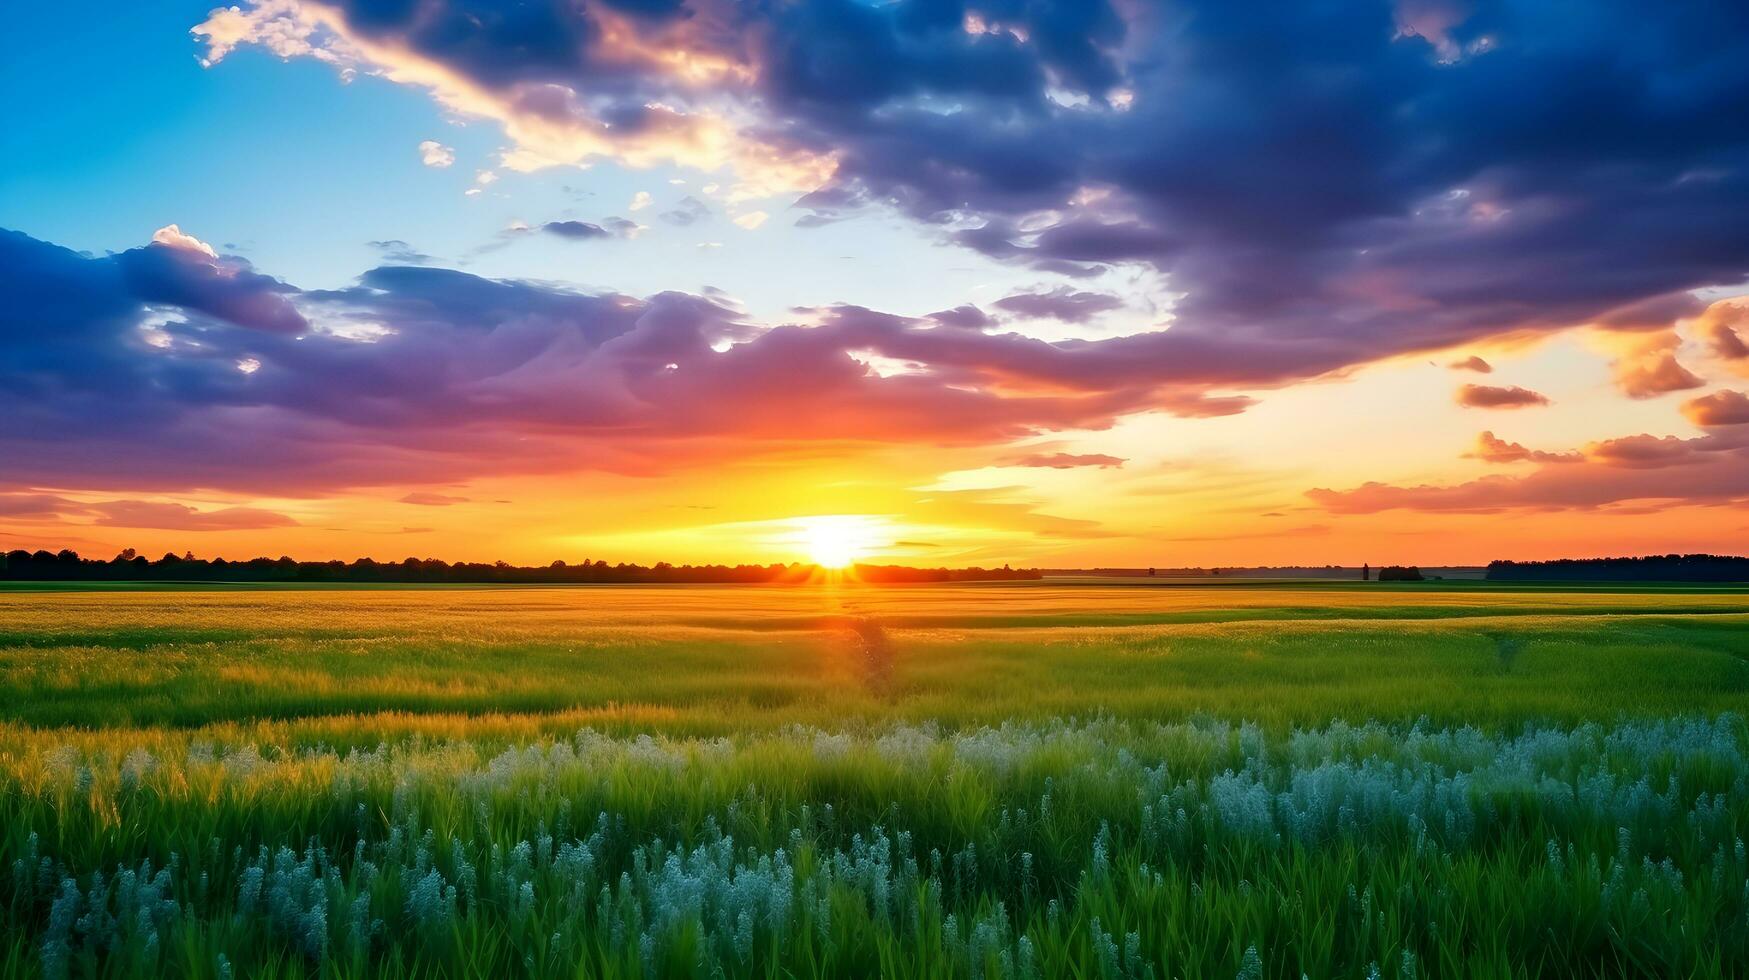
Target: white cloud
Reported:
point(175, 238)
point(705, 139)
point(484, 177)
point(640, 201)
point(435, 154)
point(752, 219)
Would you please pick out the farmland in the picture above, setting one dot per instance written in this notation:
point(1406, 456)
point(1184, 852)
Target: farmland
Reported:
point(1017, 779)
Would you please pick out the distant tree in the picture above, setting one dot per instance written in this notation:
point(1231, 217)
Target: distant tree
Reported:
point(1400, 573)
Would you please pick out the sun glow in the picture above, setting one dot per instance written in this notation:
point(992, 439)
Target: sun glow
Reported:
point(837, 541)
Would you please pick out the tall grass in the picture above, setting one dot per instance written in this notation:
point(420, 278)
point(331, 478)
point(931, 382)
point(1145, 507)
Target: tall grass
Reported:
point(1097, 848)
point(758, 783)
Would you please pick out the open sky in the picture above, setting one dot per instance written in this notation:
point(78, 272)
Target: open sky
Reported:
point(1062, 282)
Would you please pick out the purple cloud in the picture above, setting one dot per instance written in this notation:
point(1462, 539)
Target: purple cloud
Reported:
point(1063, 303)
point(1324, 185)
point(575, 230)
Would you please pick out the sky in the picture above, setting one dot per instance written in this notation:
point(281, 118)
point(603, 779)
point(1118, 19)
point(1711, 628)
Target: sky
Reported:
point(1043, 282)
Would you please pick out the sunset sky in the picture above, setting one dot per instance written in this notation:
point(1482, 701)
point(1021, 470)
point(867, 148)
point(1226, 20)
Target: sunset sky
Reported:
point(1054, 282)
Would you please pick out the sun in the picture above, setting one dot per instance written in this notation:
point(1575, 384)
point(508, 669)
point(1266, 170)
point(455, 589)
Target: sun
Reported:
point(836, 542)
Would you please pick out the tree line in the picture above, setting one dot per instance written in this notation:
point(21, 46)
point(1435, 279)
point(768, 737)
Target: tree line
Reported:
point(129, 566)
point(1647, 568)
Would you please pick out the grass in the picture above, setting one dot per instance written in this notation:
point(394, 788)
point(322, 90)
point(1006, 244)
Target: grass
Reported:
point(1040, 779)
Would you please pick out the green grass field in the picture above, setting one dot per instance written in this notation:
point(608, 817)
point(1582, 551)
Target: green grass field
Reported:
point(1019, 780)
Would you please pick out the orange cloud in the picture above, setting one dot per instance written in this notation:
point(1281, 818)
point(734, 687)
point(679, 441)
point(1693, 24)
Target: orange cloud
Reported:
point(1064, 461)
point(1491, 396)
point(1718, 327)
point(1649, 368)
point(1492, 449)
point(1718, 408)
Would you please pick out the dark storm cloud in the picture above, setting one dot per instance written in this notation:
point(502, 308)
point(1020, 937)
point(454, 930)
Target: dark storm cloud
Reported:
point(1339, 181)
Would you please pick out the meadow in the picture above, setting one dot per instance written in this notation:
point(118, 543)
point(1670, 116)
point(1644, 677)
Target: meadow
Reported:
point(1007, 780)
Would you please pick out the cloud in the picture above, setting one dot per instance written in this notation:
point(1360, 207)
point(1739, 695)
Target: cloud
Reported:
point(181, 270)
point(424, 498)
point(1718, 408)
point(1065, 461)
point(1648, 368)
point(623, 227)
point(1643, 451)
point(181, 517)
point(576, 230)
point(964, 317)
point(1491, 396)
point(36, 505)
point(173, 237)
point(751, 220)
point(435, 154)
point(1472, 363)
point(422, 374)
point(1492, 449)
point(399, 252)
point(640, 201)
point(689, 211)
point(1063, 303)
point(1719, 327)
point(138, 513)
point(1373, 187)
point(1643, 470)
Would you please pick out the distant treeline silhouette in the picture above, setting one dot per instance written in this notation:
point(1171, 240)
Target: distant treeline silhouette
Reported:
point(68, 566)
point(1649, 568)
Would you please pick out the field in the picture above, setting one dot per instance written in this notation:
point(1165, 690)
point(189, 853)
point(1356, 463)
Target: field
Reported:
point(1016, 780)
